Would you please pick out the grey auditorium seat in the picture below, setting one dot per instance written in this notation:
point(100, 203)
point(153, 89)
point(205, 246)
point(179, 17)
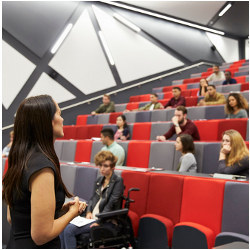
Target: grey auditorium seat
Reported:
point(130, 116)
point(231, 88)
point(245, 94)
point(170, 114)
point(143, 116)
point(235, 216)
point(215, 112)
point(196, 113)
point(159, 115)
point(68, 173)
point(241, 73)
point(68, 151)
point(193, 86)
point(124, 144)
point(159, 129)
point(120, 107)
point(96, 147)
point(103, 118)
point(157, 90)
point(92, 119)
point(58, 145)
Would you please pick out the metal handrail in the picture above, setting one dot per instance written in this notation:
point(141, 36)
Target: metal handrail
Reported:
point(128, 87)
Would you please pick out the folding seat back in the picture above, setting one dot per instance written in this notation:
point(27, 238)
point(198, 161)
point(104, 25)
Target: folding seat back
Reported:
point(68, 173)
point(132, 105)
point(113, 116)
point(143, 116)
point(130, 116)
point(215, 112)
point(81, 132)
point(194, 92)
point(96, 147)
point(245, 94)
point(83, 151)
point(85, 182)
point(192, 80)
point(103, 118)
point(130, 128)
point(219, 88)
point(196, 113)
point(217, 83)
point(244, 86)
point(191, 101)
point(145, 98)
point(168, 95)
point(138, 154)
point(193, 85)
point(81, 119)
point(58, 145)
point(112, 126)
point(92, 119)
point(240, 79)
point(159, 129)
point(241, 73)
point(141, 131)
point(208, 130)
point(120, 107)
point(68, 151)
point(157, 90)
point(3, 164)
point(133, 179)
point(159, 115)
point(231, 87)
point(162, 155)
point(124, 144)
point(238, 124)
point(177, 82)
point(160, 96)
point(94, 130)
point(69, 132)
point(170, 114)
point(247, 133)
point(195, 75)
point(186, 93)
point(135, 98)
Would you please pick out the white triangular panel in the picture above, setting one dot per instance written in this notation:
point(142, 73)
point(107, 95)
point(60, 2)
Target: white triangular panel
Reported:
point(135, 57)
point(80, 58)
point(227, 47)
point(16, 71)
point(46, 85)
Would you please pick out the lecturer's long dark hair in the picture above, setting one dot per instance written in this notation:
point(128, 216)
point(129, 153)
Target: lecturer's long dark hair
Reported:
point(32, 130)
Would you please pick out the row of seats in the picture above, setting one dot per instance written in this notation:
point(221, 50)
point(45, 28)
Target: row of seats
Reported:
point(142, 154)
point(209, 130)
point(190, 210)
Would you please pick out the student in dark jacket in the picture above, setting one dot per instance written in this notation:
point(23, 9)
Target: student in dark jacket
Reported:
point(107, 197)
point(229, 79)
point(176, 100)
point(107, 106)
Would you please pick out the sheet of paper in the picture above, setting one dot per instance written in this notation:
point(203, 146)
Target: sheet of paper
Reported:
point(81, 221)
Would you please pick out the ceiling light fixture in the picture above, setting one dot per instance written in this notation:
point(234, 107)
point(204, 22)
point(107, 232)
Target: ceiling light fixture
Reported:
point(225, 9)
point(127, 23)
point(165, 17)
point(61, 38)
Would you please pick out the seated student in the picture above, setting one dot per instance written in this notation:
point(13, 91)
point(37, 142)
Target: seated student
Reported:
point(154, 104)
point(6, 149)
point(122, 131)
point(234, 155)
point(107, 138)
point(107, 197)
point(182, 125)
point(212, 97)
point(203, 87)
point(106, 107)
point(216, 75)
point(176, 100)
point(236, 106)
point(229, 80)
point(185, 144)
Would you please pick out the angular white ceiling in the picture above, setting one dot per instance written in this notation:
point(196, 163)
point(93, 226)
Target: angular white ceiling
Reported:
point(80, 58)
point(46, 85)
point(16, 71)
point(135, 57)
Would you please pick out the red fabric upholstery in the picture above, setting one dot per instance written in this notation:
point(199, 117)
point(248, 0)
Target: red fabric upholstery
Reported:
point(138, 154)
point(170, 206)
point(113, 116)
point(81, 132)
point(81, 119)
point(5, 167)
point(169, 88)
point(135, 98)
point(238, 124)
point(210, 236)
point(83, 151)
point(202, 202)
point(164, 101)
point(191, 101)
point(247, 144)
point(206, 74)
point(168, 95)
point(186, 92)
point(94, 130)
point(208, 130)
point(145, 98)
point(168, 224)
point(244, 86)
point(194, 92)
point(132, 105)
point(141, 131)
point(139, 180)
point(240, 79)
point(135, 221)
point(69, 132)
point(192, 80)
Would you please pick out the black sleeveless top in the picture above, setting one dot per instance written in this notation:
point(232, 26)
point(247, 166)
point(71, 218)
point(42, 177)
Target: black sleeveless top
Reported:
point(20, 235)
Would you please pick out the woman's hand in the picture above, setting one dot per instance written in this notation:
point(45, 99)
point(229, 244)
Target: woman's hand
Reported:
point(74, 208)
point(89, 215)
point(226, 149)
point(123, 138)
point(94, 225)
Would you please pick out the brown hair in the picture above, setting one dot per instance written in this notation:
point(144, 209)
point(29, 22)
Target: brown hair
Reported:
point(105, 156)
point(183, 109)
point(32, 130)
point(187, 143)
point(106, 95)
point(241, 103)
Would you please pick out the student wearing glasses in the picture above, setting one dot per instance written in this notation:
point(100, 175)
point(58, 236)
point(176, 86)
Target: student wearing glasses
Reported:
point(107, 197)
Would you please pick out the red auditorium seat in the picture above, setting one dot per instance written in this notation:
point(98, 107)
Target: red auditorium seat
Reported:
point(169, 88)
point(113, 116)
point(141, 131)
point(69, 132)
point(247, 143)
point(194, 92)
point(94, 130)
point(132, 105)
point(83, 151)
point(5, 167)
point(191, 101)
point(244, 86)
point(208, 130)
point(201, 210)
point(240, 79)
point(206, 74)
point(81, 132)
point(192, 80)
point(81, 119)
point(135, 98)
point(138, 154)
point(168, 95)
point(164, 101)
point(186, 92)
point(145, 98)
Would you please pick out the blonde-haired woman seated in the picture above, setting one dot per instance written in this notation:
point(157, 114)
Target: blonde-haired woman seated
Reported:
point(236, 106)
point(234, 155)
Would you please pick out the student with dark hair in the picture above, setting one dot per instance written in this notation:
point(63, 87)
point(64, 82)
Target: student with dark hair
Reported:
point(181, 125)
point(212, 97)
point(203, 87)
point(122, 131)
point(107, 197)
point(185, 144)
point(32, 187)
point(216, 75)
point(107, 138)
point(176, 100)
point(229, 79)
point(236, 106)
point(107, 106)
